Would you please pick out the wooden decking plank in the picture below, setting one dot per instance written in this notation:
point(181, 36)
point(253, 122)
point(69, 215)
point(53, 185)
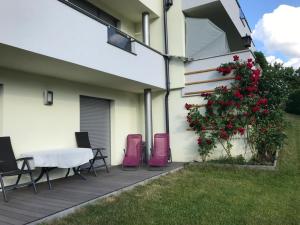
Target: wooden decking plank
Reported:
point(17, 216)
point(9, 220)
point(27, 212)
point(30, 206)
point(41, 201)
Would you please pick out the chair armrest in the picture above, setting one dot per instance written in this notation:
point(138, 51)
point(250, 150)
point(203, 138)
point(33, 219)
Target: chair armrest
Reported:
point(24, 159)
point(25, 162)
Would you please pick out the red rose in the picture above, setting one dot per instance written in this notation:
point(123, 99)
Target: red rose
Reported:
point(256, 72)
point(199, 141)
point(251, 89)
point(210, 102)
point(238, 94)
point(249, 65)
point(189, 119)
point(262, 101)
point(188, 106)
point(208, 141)
point(241, 130)
point(224, 135)
point(231, 102)
point(224, 89)
point(225, 70)
point(229, 126)
point(266, 112)
point(250, 60)
point(238, 77)
point(255, 109)
point(238, 105)
point(236, 58)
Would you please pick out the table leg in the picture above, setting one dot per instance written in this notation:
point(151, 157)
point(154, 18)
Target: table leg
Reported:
point(68, 172)
point(45, 170)
point(48, 180)
point(75, 170)
point(40, 175)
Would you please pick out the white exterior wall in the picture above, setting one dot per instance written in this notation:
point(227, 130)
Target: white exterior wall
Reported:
point(33, 126)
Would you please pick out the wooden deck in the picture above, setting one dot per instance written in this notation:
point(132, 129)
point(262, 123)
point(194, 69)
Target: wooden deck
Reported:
point(26, 207)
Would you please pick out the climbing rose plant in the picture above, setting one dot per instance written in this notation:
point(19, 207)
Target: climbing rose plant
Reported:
point(230, 111)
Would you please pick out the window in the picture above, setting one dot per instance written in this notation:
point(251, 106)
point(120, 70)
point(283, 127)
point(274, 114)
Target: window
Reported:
point(95, 11)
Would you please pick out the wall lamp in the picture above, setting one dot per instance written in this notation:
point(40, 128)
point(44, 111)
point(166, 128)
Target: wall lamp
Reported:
point(48, 97)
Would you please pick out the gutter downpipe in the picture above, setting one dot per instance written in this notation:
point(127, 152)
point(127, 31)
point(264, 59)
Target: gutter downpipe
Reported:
point(166, 7)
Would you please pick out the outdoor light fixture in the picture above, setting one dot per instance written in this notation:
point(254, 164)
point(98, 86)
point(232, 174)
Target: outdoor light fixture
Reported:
point(48, 97)
point(247, 40)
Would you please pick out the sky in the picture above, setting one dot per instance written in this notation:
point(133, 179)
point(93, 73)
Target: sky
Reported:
point(275, 28)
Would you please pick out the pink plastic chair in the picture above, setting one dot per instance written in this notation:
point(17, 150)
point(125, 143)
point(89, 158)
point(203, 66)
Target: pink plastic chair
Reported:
point(132, 157)
point(161, 151)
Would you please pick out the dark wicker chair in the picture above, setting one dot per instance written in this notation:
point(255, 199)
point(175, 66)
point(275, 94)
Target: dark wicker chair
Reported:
point(8, 167)
point(83, 141)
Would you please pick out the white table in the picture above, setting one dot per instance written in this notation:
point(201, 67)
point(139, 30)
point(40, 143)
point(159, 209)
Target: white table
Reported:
point(69, 158)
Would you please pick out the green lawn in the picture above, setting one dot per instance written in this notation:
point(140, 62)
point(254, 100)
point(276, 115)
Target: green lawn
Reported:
point(198, 195)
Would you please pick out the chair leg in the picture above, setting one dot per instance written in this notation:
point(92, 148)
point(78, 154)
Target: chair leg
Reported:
point(92, 168)
point(107, 171)
point(92, 161)
point(18, 180)
point(3, 189)
point(32, 182)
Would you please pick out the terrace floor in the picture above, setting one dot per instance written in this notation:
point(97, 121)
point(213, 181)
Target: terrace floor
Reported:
point(24, 207)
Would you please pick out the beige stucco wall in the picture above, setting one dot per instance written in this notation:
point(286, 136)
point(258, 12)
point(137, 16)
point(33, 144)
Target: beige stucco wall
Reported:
point(34, 126)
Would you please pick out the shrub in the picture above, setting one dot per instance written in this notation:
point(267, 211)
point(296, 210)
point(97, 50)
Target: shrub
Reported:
point(252, 108)
point(293, 105)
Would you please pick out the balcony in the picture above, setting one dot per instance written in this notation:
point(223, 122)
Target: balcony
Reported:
point(225, 14)
point(51, 38)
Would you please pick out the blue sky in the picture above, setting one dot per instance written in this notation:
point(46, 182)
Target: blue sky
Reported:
point(254, 11)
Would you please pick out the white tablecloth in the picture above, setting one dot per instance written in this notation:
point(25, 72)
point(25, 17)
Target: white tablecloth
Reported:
point(61, 158)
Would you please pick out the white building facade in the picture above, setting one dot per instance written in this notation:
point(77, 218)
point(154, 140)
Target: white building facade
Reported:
point(90, 54)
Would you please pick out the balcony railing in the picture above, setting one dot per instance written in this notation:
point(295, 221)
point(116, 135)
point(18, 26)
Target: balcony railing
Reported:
point(119, 39)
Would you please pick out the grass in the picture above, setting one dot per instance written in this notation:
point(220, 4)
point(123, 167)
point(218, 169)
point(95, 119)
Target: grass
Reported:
point(209, 195)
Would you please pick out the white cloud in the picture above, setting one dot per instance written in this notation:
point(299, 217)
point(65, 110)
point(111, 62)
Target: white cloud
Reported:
point(293, 62)
point(272, 59)
point(279, 32)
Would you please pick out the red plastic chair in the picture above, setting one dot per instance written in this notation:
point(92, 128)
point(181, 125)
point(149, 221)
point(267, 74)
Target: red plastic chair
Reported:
point(161, 151)
point(132, 157)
